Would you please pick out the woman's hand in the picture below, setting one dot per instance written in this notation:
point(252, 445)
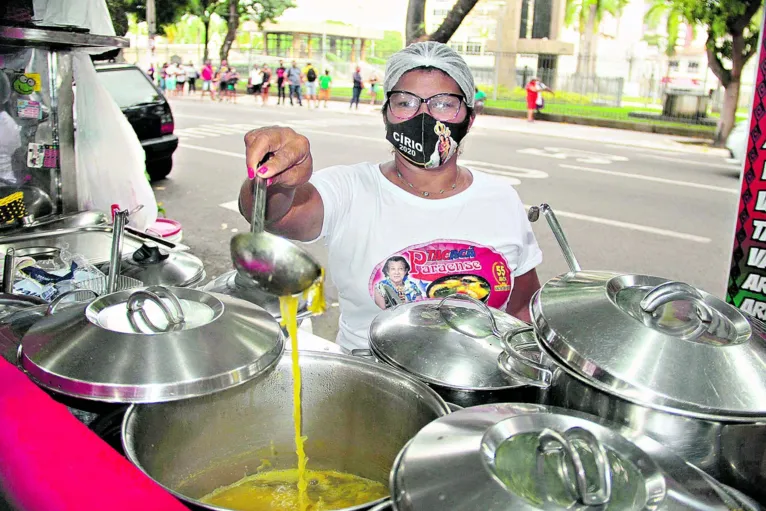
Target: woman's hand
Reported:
point(283, 158)
point(279, 155)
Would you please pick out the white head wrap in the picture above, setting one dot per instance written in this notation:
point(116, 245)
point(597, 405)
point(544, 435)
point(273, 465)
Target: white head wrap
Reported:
point(434, 55)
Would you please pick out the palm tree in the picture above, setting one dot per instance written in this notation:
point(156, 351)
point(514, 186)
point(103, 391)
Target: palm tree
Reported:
point(587, 16)
point(674, 19)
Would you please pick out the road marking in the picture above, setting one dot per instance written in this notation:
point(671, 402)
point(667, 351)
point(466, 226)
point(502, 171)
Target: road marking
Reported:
point(651, 178)
point(505, 170)
point(578, 154)
point(232, 206)
point(693, 162)
point(633, 227)
point(203, 117)
point(211, 150)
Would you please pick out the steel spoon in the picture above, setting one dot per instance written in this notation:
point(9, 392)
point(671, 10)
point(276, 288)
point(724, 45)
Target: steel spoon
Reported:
point(274, 264)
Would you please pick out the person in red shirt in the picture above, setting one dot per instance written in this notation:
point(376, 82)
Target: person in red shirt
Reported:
point(535, 88)
point(207, 81)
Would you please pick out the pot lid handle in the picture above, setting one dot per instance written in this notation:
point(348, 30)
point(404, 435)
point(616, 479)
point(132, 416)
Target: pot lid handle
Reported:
point(482, 307)
point(675, 291)
point(154, 294)
point(60, 298)
point(513, 364)
point(551, 441)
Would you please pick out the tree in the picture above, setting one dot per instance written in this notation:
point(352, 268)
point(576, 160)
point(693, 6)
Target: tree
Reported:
point(587, 16)
point(415, 28)
point(674, 18)
point(259, 11)
point(732, 39)
point(204, 10)
point(167, 11)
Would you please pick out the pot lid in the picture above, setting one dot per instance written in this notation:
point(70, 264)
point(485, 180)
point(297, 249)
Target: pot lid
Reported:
point(233, 284)
point(150, 345)
point(634, 336)
point(531, 457)
point(448, 344)
point(154, 266)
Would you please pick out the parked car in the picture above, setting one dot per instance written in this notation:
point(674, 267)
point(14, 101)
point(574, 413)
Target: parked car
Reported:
point(737, 142)
point(147, 111)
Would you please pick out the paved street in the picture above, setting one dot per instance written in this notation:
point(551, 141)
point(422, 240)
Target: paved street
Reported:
point(629, 202)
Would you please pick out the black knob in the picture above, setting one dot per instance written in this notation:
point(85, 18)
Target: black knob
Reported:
point(149, 253)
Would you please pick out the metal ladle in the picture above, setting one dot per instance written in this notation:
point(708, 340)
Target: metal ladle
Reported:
point(534, 214)
point(274, 264)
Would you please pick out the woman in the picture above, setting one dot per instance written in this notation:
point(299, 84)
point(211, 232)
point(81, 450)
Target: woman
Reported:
point(356, 92)
point(266, 74)
point(447, 220)
point(373, 88)
point(535, 89)
point(396, 287)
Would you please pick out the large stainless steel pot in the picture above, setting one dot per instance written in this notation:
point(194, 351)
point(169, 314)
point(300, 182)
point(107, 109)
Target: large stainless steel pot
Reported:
point(660, 357)
point(150, 344)
point(523, 457)
point(357, 416)
point(454, 348)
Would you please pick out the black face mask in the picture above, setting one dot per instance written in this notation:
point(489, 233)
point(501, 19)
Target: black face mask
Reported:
point(426, 142)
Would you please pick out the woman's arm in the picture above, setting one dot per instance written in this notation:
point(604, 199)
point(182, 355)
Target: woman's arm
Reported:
point(524, 287)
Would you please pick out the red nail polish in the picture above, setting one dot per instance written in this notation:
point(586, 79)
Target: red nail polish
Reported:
point(263, 170)
point(250, 173)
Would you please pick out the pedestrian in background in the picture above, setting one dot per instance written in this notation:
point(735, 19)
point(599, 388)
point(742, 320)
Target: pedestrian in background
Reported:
point(221, 77)
point(170, 79)
point(294, 79)
point(281, 83)
point(254, 82)
point(191, 77)
point(180, 79)
point(207, 75)
point(535, 89)
point(325, 83)
point(311, 76)
point(358, 86)
point(373, 88)
point(478, 101)
point(266, 75)
point(231, 85)
point(163, 76)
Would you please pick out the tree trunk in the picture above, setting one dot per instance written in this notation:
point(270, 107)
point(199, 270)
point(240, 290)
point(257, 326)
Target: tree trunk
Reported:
point(206, 53)
point(231, 32)
point(728, 112)
point(415, 27)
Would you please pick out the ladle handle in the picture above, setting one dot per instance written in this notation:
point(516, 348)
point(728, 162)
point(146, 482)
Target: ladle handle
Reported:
point(9, 270)
point(115, 259)
point(561, 238)
point(258, 220)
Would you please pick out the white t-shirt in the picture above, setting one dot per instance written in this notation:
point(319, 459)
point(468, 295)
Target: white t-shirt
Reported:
point(387, 246)
point(256, 77)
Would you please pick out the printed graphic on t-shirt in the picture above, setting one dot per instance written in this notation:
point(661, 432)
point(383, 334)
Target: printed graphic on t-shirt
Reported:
point(442, 268)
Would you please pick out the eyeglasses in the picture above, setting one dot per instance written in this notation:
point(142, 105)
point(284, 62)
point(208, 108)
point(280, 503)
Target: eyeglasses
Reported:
point(443, 107)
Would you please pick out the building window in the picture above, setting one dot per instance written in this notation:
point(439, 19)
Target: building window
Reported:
point(441, 13)
point(673, 65)
point(458, 47)
point(694, 67)
point(473, 48)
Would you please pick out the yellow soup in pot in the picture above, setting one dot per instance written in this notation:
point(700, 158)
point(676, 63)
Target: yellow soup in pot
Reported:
point(297, 489)
point(277, 490)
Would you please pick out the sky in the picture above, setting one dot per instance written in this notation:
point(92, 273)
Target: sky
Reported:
point(388, 15)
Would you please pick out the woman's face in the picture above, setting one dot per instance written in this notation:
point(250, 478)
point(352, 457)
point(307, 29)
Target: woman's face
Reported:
point(396, 272)
point(426, 83)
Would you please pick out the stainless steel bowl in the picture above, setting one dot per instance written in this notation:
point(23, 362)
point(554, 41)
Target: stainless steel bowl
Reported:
point(357, 415)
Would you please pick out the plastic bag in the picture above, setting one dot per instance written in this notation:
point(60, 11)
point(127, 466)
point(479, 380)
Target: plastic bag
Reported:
point(90, 14)
point(110, 159)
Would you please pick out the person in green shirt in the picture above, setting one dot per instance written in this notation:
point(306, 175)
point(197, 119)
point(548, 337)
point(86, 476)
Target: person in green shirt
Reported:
point(479, 99)
point(325, 81)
